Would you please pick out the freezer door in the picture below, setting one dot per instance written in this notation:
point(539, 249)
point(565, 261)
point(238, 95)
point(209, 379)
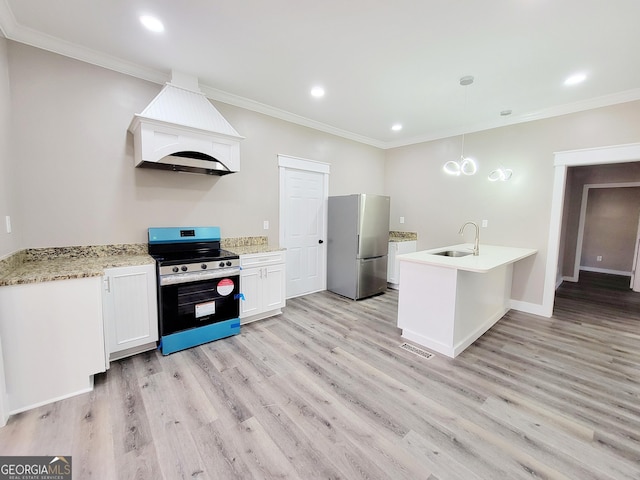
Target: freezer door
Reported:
point(373, 226)
point(372, 276)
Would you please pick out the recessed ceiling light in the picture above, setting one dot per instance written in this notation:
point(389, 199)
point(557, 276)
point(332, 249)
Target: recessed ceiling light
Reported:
point(396, 127)
point(575, 79)
point(317, 92)
point(152, 23)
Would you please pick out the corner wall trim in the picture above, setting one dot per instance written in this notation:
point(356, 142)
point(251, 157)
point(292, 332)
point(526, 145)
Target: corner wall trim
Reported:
point(527, 307)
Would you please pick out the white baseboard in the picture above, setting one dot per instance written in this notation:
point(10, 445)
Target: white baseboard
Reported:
point(606, 270)
point(260, 316)
point(478, 332)
point(527, 307)
point(429, 343)
point(56, 399)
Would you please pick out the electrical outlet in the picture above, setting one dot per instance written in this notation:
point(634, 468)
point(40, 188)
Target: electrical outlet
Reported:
point(485, 223)
point(265, 225)
point(401, 219)
point(7, 221)
point(599, 258)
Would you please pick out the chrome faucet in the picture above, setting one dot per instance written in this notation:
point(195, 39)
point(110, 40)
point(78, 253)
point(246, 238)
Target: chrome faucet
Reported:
point(476, 248)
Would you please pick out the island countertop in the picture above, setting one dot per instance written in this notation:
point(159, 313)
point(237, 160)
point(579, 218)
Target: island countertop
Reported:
point(490, 257)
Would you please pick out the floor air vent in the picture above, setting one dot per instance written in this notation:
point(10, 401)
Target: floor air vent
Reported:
point(417, 351)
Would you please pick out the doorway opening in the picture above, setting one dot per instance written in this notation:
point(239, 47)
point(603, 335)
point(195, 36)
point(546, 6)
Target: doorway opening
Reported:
point(607, 224)
point(564, 160)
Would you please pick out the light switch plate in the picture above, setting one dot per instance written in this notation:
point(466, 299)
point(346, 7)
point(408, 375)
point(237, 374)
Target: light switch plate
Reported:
point(7, 220)
point(401, 219)
point(265, 225)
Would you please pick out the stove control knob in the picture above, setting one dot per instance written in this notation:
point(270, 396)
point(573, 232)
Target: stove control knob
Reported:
point(183, 268)
point(221, 264)
point(228, 263)
point(175, 269)
point(203, 266)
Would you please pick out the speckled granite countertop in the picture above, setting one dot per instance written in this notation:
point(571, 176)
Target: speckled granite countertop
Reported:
point(248, 245)
point(64, 263)
point(249, 249)
point(402, 236)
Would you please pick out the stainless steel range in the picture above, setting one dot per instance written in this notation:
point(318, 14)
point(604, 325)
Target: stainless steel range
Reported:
point(198, 286)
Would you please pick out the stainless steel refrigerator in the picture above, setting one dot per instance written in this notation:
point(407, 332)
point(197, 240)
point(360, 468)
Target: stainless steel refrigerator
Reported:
point(357, 245)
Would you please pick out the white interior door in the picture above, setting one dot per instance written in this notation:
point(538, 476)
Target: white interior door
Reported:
point(303, 209)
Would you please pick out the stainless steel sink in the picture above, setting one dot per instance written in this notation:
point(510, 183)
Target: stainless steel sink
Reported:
point(452, 253)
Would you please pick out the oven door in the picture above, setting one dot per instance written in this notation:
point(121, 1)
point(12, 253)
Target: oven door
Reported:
point(198, 303)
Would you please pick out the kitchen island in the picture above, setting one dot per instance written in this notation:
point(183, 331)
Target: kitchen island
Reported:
point(447, 302)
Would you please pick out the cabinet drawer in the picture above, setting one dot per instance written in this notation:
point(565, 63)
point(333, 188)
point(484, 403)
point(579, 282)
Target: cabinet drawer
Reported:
point(261, 259)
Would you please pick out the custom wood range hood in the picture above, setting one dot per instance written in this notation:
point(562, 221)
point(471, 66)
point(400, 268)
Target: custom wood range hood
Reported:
point(181, 130)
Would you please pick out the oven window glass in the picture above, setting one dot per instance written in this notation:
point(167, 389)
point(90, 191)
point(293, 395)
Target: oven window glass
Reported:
point(195, 304)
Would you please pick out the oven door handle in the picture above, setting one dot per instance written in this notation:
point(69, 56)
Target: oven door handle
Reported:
point(198, 276)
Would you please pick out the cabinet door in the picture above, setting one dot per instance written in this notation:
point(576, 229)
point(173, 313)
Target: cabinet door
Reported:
point(399, 249)
point(129, 307)
point(392, 265)
point(273, 284)
point(250, 283)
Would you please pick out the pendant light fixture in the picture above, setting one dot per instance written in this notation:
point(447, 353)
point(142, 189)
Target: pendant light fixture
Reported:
point(500, 175)
point(466, 165)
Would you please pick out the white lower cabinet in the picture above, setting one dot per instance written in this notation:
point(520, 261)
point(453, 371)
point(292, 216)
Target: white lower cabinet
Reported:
point(53, 340)
point(393, 264)
point(130, 310)
point(262, 283)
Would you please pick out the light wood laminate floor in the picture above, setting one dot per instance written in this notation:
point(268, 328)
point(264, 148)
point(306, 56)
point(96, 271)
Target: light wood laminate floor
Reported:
point(324, 391)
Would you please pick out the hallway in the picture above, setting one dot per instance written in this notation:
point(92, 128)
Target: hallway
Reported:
point(601, 292)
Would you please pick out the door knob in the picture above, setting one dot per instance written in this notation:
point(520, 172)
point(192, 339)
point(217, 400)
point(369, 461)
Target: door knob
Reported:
point(320, 241)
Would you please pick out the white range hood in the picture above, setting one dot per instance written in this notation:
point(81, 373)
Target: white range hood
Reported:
point(181, 130)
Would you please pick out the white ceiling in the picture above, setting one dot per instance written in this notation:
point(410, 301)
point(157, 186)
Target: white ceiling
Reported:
point(380, 62)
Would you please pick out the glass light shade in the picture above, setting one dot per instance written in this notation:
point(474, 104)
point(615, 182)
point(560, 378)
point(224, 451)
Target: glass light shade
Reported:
point(468, 166)
point(500, 174)
point(452, 168)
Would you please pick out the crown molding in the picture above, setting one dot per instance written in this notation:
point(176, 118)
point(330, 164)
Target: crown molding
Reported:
point(258, 107)
point(18, 33)
point(12, 30)
point(7, 20)
point(556, 111)
point(21, 34)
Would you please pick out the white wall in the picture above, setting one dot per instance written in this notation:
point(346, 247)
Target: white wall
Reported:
point(610, 229)
point(577, 178)
point(8, 242)
point(72, 168)
point(518, 212)
point(74, 161)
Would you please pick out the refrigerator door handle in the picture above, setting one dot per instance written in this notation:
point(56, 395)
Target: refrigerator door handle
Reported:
point(358, 245)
